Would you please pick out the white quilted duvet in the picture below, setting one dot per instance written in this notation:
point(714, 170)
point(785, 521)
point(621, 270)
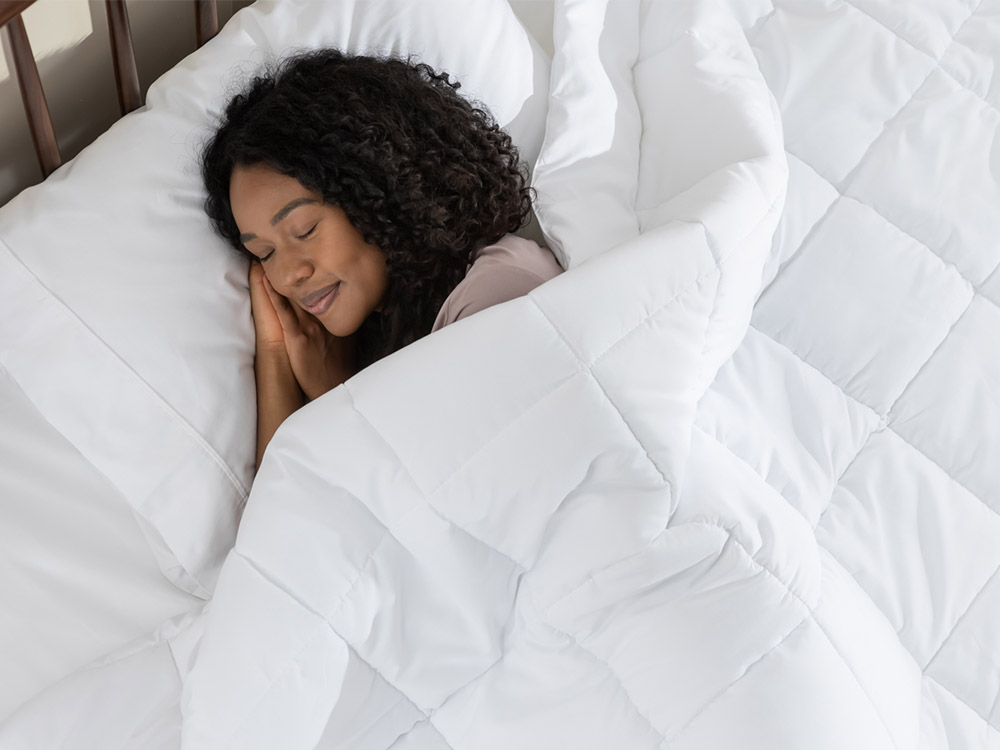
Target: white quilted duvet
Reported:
point(728, 483)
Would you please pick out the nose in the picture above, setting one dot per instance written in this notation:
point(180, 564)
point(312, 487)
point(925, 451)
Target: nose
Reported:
point(294, 267)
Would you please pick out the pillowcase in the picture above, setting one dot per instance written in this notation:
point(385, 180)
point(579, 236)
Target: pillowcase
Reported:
point(126, 321)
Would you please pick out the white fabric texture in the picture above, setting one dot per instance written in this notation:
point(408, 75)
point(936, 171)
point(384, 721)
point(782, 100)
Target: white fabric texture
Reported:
point(727, 482)
point(111, 264)
point(511, 518)
point(77, 576)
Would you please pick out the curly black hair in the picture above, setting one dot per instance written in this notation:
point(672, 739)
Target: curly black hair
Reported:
point(425, 175)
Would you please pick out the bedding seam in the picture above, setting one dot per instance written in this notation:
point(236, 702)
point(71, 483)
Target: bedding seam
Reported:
point(879, 22)
point(509, 425)
point(427, 720)
point(336, 606)
point(934, 351)
point(718, 261)
point(326, 620)
point(542, 619)
point(943, 470)
point(843, 388)
point(807, 237)
point(853, 577)
point(986, 281)
point(888, 416)
point(851, 175)
point(864, 589)
point(846, 193)
point(816, 369)
point(961, 700)
point(157, 399)
point(729, 539)
point(836, 481)
point(588, 371)
point(938, 61)
point(958, 621)
point(844, 187)
point(291, 660)
point(840, 477)
point(844, 182)
point(720, 694)
point(426, 497)
point(628, 426)
point(811, 614)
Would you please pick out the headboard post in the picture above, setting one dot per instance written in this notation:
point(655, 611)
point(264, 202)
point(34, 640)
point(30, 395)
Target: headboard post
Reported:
point(35, 106)
point(123, 56)
point(206, 18)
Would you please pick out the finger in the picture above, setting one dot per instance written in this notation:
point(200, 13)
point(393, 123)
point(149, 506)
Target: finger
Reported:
point(259, 300)
point(283, 308)
point(255, 275)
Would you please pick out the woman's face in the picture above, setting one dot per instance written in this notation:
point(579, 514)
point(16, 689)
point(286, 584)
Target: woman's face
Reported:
point(309, 250)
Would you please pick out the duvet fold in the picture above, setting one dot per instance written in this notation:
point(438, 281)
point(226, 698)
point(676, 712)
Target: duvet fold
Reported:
point(491, 531)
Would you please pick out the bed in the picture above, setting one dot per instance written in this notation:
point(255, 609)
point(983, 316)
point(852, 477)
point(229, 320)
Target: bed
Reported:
point(730, 481)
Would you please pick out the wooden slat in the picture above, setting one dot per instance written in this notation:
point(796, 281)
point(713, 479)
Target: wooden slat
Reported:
point(11, 8)
point(35, 106)
point(123, 56)
point(206, 18)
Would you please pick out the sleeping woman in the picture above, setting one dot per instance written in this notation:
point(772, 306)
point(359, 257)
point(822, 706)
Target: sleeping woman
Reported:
point(376, 205)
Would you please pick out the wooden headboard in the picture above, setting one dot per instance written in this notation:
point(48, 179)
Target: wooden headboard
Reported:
point(123, 56)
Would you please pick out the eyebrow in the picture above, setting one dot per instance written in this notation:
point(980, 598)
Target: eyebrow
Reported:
point(282, 213)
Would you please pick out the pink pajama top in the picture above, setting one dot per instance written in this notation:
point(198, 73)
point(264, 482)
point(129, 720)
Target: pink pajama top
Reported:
point(510, 268)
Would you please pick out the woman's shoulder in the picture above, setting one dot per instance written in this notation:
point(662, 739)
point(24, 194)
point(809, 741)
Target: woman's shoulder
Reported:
point(513, 252)
point(509, 268)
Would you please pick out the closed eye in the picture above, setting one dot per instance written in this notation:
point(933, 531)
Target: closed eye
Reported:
point(306, 235)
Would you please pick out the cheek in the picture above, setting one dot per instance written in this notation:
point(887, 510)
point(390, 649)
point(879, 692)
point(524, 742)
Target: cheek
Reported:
point(273, 282)
point(378, 274)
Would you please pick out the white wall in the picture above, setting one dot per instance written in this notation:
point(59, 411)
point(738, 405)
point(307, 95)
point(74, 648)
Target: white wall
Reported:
point(69, 39)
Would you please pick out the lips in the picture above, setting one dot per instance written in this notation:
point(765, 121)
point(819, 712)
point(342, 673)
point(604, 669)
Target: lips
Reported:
point(319, 301)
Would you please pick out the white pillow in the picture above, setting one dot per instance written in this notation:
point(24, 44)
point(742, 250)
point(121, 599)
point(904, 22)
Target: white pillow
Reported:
point(124, 318)
point(586, 177)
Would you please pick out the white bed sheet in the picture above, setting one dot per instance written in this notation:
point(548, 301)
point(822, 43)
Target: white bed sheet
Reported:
point(69, 596)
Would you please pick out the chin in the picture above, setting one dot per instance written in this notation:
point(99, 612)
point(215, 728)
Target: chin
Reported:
point(339, 328)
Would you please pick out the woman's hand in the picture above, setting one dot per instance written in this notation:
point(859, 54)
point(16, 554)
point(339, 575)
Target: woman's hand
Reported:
point(270, 336)
point(320, 360)
point(278, 392)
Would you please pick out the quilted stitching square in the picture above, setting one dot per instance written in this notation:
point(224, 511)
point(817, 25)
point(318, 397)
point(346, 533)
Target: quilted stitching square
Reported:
point(809, 198)
point(918, 542)
point(952, 183)
point(974, 58)
point(970, 658)
point(815, 60)
point(957, 396)
point(928, 25)
point(765, 406)
point(878, 303)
